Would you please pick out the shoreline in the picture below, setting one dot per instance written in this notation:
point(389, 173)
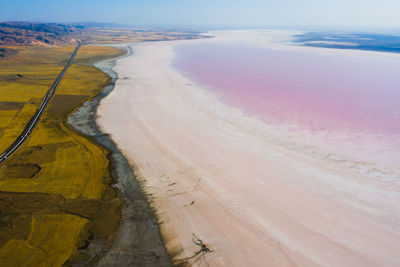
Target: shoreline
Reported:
point(137, 217)
point(303, 137)
point(217, 174)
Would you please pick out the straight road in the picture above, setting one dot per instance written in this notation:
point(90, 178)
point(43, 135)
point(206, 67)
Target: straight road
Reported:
point(35, 119)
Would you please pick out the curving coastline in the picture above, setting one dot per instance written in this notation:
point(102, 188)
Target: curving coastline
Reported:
point(215, 174)
point(138, 240)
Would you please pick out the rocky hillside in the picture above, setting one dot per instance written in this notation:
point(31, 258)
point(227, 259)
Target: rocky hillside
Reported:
point(27, 33)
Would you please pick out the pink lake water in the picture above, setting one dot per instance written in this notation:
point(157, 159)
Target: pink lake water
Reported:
point(351, 94)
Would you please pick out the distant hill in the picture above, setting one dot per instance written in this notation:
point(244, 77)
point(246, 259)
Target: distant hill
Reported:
point(88, 24)
point(28, 33)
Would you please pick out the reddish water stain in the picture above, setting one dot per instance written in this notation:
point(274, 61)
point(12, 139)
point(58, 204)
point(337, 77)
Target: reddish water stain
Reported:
point(319, 91)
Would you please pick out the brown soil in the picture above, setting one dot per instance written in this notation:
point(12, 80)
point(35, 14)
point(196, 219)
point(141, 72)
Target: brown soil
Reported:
point(10, 105)
point(22, 171)
point(16, 209)
point(65, 103)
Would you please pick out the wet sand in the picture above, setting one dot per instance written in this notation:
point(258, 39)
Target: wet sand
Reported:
point(211, 171)
point(138, 241)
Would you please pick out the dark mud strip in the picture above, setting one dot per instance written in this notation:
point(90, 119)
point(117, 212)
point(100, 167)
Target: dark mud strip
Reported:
point(138, 241)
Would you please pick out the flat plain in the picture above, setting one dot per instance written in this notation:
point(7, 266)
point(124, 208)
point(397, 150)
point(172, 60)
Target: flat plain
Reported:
point(56, 190)
point(232, 190)
point(56, 194)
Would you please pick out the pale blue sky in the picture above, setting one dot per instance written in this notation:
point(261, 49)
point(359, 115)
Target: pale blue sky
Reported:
point(320, 13)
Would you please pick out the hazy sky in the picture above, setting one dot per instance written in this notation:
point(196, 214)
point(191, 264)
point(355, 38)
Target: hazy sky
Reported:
point(347, 13)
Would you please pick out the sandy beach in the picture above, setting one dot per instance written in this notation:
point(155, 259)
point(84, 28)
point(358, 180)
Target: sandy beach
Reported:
point(211, 171)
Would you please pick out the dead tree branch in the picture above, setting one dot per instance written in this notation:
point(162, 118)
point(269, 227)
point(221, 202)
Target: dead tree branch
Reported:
point(199, 255)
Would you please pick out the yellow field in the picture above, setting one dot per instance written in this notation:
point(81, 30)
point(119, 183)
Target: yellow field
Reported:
point(51, 241)
point(57, 187)
point(55, 191)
